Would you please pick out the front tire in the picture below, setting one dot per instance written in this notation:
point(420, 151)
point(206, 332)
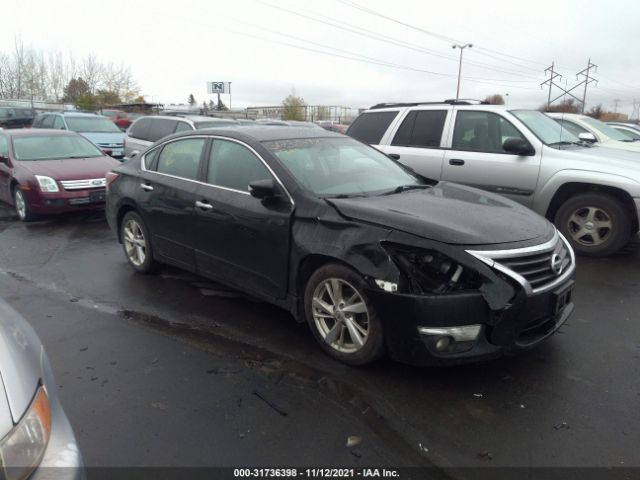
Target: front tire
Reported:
point(342, 317)
point(136, 242)
point(595, 224)
point(22, 205)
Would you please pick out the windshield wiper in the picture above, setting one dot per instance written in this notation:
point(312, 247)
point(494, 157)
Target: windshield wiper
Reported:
point(404, 188)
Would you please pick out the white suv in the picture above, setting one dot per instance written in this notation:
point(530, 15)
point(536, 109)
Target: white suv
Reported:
point(591, 193)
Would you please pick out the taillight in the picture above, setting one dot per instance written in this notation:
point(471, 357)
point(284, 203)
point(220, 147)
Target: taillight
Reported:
point(110, 178)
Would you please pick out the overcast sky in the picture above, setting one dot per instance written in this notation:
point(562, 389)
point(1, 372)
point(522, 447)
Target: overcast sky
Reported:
point(174, 47)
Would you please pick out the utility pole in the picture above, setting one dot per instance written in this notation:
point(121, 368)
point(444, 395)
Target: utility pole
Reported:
point(615, 105)
point(588, 79)
point(461, 47)
point(636, 109)
point(550, 81)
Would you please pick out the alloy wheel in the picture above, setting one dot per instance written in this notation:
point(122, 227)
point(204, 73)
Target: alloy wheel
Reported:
point(134, 242)
point(340, 314)
point(21, 205)
point(590, 226)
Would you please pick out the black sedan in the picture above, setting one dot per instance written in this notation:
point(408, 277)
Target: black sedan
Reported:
point(374, 257)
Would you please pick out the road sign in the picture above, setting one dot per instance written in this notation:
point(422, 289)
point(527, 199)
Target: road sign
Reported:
point(217, 87)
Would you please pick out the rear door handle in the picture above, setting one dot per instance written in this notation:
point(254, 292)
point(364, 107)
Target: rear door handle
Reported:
point(456, 162)
point(146, 186)
point(395, 156)
point(203, 205)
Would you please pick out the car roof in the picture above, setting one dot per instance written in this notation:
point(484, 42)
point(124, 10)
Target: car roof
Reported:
point(262, 133)
point(390, 107)
point(38, 132)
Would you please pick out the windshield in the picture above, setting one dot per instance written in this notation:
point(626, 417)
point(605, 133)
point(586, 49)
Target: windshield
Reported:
point(545, 128)
point(340, 166)
point(222, 123)
point(53, 147)
point(606, 129)
point(92, 125)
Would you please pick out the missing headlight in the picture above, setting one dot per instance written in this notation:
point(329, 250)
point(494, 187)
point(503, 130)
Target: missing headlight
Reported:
point(429, 271)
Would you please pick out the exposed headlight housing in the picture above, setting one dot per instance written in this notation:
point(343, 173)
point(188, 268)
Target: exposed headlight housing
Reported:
point(47, 184)
point(21, 451)
point(428, 271)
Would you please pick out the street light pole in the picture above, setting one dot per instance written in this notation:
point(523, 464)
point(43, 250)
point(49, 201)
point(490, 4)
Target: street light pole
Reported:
point(461, 47)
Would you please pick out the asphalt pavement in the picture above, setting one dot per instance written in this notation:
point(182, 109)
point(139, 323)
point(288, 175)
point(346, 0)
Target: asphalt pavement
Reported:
point(172, 369)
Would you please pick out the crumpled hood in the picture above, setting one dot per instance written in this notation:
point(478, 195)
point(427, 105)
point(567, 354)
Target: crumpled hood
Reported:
point(449, 213)
point(20, 364)
point(72, 168)
point(114, 138)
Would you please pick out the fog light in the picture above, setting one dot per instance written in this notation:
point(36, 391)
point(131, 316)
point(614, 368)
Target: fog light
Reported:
point(466, 333)
point(443, 343)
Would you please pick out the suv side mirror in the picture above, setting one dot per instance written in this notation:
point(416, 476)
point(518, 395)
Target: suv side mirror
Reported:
point(4, 159)
point(587, 137)
point(517, 146)
point(263, 189)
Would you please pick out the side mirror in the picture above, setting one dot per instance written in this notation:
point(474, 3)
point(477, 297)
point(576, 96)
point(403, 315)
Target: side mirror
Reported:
point(588, 137)
point(4, 159)
point(263, 189)
point(517, 146)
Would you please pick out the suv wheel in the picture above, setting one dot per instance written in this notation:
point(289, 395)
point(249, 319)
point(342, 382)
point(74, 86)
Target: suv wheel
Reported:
point(137, 243)
point(341, 316)
point(596, 224)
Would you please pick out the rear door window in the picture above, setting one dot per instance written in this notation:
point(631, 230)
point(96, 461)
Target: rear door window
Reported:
point(160, 128)
point(371, 126)
point(140, 129)
point(421, 128)
point(181, 158)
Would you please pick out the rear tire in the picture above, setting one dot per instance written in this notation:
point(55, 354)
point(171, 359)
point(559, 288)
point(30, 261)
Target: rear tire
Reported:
point(342, 317)
point(595, 224)
point(136, 242)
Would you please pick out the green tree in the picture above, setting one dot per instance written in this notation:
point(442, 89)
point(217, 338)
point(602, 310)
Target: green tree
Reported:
point(221, 106)
point(75, 89)
point(323, 113)
point(108, 97)
point(87, 102)
point(293, 107)
point(192, 100)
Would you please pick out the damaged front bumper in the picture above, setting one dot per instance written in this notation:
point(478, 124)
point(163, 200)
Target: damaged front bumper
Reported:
point(461, 328)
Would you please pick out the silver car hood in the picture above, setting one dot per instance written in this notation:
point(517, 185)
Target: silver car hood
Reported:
point(20, 365)
point(599, 159)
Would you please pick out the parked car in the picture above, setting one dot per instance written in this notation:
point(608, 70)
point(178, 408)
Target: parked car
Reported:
point(98, 129)
point(374, 257)
point(594, 131)
point(145, 131)
point(592, 194)
point(120, 118)
point(632, 130)
point(36, 438)
point(334, 127)
point(15, 117)
point(51, 171)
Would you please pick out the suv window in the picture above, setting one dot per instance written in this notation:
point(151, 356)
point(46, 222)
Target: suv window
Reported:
point(181, 158)
point(140, 129)
point(482, 132)
point(183, 127)
point(370, 127)
point(47, 121)
point(234, 166)
point(58, 123)
point(160, 128)
point(421, 128)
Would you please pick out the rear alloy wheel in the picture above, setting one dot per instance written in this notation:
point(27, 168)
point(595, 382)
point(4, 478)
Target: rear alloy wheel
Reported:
point(21, 205)
point(341, 317)
point(596, 224)
point(135, 240)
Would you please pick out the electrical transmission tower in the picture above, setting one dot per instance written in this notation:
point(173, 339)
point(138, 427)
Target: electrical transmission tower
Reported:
point(587, 80)
point(550, 81)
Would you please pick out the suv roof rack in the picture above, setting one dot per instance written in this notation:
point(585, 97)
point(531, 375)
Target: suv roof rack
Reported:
point(450, 101)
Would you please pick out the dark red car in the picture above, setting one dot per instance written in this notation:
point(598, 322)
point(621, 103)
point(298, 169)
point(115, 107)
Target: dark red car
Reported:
point(51, 171)
point(120, 118)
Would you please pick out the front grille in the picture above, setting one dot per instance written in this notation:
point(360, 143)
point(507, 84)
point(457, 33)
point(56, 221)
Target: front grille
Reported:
point(110, 145)
point(84, 184)
point(538, 268)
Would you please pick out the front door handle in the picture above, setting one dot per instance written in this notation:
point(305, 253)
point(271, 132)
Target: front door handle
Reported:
point(146, 186)
point(395, 156)
point(203, 205)
point(456, 162)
